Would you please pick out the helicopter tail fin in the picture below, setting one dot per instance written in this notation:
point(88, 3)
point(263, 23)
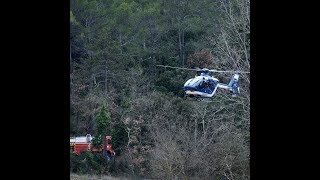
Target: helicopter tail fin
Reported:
point(234, 84)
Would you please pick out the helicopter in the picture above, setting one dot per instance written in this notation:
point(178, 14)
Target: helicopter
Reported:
point(203, 85)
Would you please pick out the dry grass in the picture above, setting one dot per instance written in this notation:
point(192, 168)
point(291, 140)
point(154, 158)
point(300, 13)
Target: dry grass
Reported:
point(94, 177)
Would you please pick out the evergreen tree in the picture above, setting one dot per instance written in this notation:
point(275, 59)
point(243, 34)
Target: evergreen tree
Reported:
point(103, 121)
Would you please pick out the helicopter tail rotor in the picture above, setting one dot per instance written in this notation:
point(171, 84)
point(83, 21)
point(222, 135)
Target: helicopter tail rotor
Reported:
point(234, 85)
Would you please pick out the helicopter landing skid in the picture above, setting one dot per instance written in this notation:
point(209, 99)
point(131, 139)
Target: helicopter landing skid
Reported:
point(200, 99)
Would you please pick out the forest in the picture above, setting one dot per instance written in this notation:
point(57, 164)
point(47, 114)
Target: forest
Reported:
point(117, 89)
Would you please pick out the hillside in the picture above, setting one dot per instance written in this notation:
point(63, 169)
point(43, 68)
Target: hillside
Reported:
point(116, 88)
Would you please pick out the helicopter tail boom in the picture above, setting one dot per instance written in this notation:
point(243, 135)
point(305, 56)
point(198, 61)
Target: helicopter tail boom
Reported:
point(233, 85)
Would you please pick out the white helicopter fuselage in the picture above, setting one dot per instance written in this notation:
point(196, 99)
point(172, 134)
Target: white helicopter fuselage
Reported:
point(205, 86)
point(194, 87)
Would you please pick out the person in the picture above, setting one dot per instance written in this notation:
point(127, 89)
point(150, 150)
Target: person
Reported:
point(108, 155)
point(88, 138)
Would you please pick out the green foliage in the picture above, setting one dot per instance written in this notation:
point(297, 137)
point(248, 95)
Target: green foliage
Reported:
point(72, 18)
point(119, 137)
point(88, 163)
point(103, 120)
point(170, 82)
point(97, 141)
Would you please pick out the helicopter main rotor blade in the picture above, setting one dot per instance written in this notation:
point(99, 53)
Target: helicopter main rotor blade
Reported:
point(213, 70)
point(199, 69)
point(177, 68)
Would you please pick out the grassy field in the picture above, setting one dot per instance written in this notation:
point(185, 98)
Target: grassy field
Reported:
point(94, 177)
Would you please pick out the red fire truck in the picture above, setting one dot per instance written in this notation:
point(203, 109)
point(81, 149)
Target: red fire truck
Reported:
point(83, 143)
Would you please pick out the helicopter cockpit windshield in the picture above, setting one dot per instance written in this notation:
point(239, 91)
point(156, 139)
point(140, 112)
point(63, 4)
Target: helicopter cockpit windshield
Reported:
point(193, 83)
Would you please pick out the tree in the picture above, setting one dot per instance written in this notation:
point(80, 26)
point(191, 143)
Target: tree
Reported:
point(103, 121)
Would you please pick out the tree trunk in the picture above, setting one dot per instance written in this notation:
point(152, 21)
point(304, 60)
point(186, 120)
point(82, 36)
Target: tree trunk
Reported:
point(71, 74)
point(106, 80)
point(144, 45)
point(195, 129)
point(120, 41)
point(183, 48)
point(180, 46)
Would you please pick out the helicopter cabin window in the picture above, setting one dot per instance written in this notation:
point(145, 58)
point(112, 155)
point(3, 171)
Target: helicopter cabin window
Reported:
point(204, 84)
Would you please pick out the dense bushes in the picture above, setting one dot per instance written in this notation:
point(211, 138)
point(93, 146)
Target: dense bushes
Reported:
point(89, 163)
